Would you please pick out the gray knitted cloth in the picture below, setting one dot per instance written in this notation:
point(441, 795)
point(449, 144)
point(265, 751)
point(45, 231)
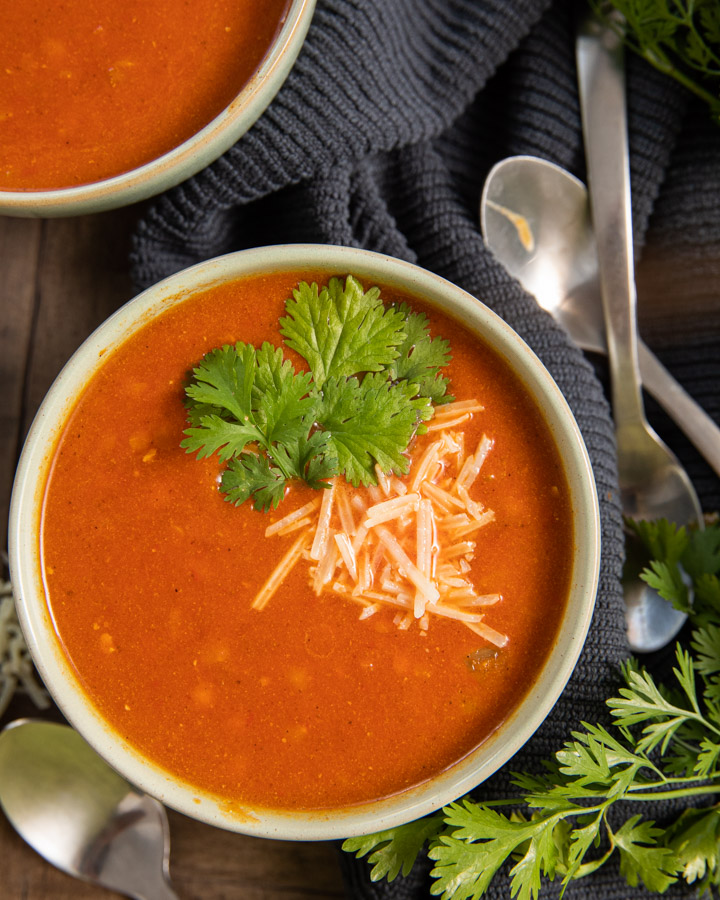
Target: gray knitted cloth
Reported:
point(381, 138)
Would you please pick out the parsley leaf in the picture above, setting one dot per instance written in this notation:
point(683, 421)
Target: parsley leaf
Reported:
point(341, 332)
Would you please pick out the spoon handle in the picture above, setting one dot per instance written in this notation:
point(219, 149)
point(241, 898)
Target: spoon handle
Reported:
point(680, 406)
point(601, 81)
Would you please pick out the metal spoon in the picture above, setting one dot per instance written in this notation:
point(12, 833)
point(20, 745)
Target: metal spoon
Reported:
point(653, 485)
point(78, 813)
point(535, 219)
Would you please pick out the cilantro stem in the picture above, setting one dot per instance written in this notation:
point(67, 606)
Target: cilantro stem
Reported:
point(587, 868)
point(687, 779)
point(679, 792)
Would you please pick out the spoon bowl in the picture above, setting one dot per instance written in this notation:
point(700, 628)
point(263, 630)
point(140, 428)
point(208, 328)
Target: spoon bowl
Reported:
point(79, 814)
point(535, 220)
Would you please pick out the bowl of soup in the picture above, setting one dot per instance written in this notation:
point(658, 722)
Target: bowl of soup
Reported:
point(108, 103)
point(305, 541)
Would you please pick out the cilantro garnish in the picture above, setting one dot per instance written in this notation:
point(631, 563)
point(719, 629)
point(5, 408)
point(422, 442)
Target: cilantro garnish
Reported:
point(374, 378)
point(341, 332)
point(680, 38)
point(664, 743)
point(421, 357)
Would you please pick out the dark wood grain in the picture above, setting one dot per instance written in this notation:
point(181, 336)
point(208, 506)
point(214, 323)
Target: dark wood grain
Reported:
point(20, 242)
point(59, 279)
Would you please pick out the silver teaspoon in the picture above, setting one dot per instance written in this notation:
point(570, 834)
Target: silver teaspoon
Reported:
point(535, 220)
point(653, 485)
point(78, 813)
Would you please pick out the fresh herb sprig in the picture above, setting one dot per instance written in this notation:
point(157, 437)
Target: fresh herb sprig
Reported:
point(664, 744)
point(679, 37)
point(374, 376)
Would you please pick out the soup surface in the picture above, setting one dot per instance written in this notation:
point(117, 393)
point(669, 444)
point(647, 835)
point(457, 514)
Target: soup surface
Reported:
point(92, 89)
point(305, 703)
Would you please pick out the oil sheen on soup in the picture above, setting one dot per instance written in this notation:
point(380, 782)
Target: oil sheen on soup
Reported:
point(313, 699)
point(89, 90)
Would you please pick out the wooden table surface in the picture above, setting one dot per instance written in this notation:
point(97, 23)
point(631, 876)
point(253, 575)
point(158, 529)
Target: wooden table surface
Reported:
point(59, 279)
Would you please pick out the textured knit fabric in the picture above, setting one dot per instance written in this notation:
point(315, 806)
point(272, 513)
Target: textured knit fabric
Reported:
point(381, 138)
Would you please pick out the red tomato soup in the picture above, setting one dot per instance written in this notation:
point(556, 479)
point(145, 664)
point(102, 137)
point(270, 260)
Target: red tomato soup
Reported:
point(92, 89)
point(313, 701)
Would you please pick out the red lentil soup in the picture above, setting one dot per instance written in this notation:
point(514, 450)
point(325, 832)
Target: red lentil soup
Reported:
point(150, 577)
point(93, 89)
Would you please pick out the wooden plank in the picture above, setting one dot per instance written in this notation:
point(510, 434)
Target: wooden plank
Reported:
point(252, 868)
point(20, 241)
point(205, 864)
point(82, 279)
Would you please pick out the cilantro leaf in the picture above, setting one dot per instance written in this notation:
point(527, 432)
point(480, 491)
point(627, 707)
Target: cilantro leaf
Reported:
point(579, 841)
point(663, 539)
point(341, 331)
point(643, 701)
point(374, 376)
point(707, 598)
point(256, 398)
point(706, 644)
point(702, 555)
point(480, 840)
point(421, 357)
point(250, 475)
point(370, 421)
point(313, 460)
point(666, 578)
point(281, 399)
point(224, 380)
point(395, 850)
point(664, 743)
point(707, 759)
point(695, 839)
point(216, 435)
point(598, 758)
point(641, 859)
point(678, 37)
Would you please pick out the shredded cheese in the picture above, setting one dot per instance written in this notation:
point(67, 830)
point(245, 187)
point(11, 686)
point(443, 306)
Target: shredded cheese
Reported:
point(284, 523)
point(17, 673)
point(402, 544)
point(281, 572)
point(322, 533)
